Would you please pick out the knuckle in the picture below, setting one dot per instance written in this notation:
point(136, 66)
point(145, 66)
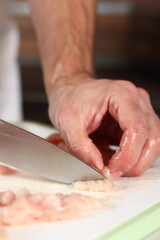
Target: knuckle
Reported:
point(79, 147)
point(141, 130)
point(129, 85)
point(62, 118)
point(154, 140)
point(144, 93)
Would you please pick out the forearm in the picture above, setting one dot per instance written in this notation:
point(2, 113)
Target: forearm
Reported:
point(65, 30)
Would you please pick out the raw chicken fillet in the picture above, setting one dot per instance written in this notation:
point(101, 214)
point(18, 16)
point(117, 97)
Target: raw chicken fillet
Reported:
point(26, 208)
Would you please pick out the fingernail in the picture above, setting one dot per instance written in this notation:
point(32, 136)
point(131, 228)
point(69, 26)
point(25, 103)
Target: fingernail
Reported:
point(115, 175)
point(99, 165)
point(106, 172)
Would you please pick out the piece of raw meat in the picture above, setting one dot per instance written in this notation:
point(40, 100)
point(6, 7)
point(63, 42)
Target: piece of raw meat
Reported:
point(94, 186)
point(26, 208)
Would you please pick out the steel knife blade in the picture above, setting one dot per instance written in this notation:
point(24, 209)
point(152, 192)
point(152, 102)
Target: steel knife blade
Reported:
point(23, 150)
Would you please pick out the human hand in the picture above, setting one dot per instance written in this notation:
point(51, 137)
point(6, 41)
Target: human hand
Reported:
point(93, 114)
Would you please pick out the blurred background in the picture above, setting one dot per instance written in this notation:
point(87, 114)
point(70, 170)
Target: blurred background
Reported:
point(127, 46)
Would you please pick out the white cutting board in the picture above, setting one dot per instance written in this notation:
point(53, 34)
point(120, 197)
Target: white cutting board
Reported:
point(130, 196)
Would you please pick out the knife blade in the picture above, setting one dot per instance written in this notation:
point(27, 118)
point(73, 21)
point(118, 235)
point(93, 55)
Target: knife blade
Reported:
point(26, 151)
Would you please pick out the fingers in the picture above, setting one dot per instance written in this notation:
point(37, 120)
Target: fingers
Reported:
point(140, 144)
point(80, 144)
point(130, 107)
point(150, 153)
point(127, 156)
point(132, 121)
point(151, 149)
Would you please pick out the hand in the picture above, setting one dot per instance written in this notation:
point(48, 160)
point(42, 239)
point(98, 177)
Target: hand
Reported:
point(93, 114)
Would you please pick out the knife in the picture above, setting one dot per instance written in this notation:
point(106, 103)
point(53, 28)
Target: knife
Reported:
point(25, 151)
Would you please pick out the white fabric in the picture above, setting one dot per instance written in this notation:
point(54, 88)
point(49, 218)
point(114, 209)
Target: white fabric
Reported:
point(10, 89)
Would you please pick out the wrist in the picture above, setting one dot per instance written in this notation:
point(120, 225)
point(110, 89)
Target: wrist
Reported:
point(67, 67)
point(71, 79)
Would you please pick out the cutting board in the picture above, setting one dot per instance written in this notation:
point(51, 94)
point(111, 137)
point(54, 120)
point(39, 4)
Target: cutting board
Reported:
point(132, 210)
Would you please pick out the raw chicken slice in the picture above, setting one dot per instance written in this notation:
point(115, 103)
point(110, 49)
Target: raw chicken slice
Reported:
point(33, 208)
point(94, 186)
